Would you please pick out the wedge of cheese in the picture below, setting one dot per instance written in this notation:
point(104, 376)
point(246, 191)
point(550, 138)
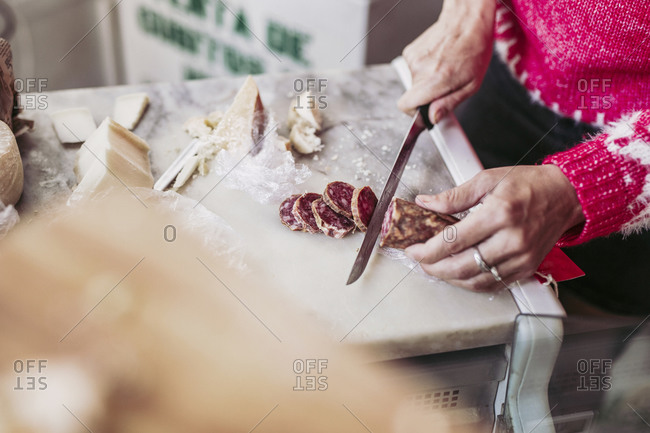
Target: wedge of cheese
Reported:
point(242, 126)
point(73, 125)
point(239, 129)
point(113, 157)
point(129, 109)
point(11, 167)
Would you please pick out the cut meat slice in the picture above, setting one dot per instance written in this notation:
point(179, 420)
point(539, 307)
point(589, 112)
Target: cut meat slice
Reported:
point(338, 196)
point(303, 213)
point(286, 214)
point(331, 223)
point(364, 201)
point(406, 223)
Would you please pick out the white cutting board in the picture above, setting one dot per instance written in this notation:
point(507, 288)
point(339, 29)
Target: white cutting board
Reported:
point(398, 312)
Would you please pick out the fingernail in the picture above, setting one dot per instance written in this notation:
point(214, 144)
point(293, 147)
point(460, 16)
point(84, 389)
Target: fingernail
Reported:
point(424, 199)
point(439, 114)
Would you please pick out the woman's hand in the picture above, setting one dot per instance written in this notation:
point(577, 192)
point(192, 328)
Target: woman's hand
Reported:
point(524, 211)
point(449, 60)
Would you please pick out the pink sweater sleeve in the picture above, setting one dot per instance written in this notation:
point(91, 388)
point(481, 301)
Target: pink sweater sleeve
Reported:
point(611, 175)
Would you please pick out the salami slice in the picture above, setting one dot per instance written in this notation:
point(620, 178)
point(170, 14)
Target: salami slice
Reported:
point(303, 213)
point(364, 201)
point(338, 196)
point(286, 214)
point(406, 223)
point(330, 222)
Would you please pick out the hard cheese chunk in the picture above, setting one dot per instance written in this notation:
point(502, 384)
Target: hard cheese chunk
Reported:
point(113, 157)
point(129, 109)
point(304, 122)
point(11, 167)
point(240, 128)
point(243, 124)
point(74, 125)
point(305, 110)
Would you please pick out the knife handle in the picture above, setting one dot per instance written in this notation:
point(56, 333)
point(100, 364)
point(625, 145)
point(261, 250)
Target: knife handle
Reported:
point(424, 111)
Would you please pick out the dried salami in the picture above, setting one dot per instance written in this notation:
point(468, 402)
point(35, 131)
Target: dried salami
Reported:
point(406, 223)
point(330, 222)
point(286, 214)
point(364, 201)
point(303, 213)
point(338, 196)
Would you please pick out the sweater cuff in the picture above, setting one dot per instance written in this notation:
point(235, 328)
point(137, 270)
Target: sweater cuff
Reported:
point(607, 185)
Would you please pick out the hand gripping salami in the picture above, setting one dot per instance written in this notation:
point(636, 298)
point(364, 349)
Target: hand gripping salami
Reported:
point(286, 214)
point(303, 213)
point(338, 196)
point(406, 223)
point(364, 201)
point(330, 222)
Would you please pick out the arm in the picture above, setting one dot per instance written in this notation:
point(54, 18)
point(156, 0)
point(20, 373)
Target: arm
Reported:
point(449, 60)
point(610, 174)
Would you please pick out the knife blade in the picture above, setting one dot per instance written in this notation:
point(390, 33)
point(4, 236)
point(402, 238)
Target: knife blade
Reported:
point(419, 123)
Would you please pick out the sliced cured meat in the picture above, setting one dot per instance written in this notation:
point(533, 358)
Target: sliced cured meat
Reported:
point(286, 214)
point(406, 223)
point(330, 222)
point(338, 196)
point(303, 213)
point(364, 201)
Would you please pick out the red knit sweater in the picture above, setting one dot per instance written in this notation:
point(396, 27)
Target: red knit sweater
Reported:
point(590, 60)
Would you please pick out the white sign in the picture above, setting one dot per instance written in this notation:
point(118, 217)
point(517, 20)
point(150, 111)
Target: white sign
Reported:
point(171, 40)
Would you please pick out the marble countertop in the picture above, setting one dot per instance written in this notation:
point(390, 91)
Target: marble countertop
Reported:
point(391, 309)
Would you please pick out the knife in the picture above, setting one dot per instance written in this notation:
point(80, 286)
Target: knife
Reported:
point(420, 123)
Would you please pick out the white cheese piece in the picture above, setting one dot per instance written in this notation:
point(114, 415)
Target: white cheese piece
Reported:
point(304, 139)
point(73, 125)
point(213, 119)
point(304, 109)
point(200, 126)
point(243, 124)
point(128, 109)
point(196, 127)
point(240, 128)
point(11, 167)
point(305, 121)
point(113, 156)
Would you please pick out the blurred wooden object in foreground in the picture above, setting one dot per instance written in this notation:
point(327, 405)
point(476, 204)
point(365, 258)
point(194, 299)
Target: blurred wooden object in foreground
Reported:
point(131, 329)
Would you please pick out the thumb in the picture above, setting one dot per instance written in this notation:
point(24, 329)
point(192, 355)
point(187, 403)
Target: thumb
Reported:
point(456, 199)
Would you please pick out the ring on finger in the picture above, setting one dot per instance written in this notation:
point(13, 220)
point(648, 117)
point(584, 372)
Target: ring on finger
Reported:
point(480, 262)
point(483, 266)
point(495, 273)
